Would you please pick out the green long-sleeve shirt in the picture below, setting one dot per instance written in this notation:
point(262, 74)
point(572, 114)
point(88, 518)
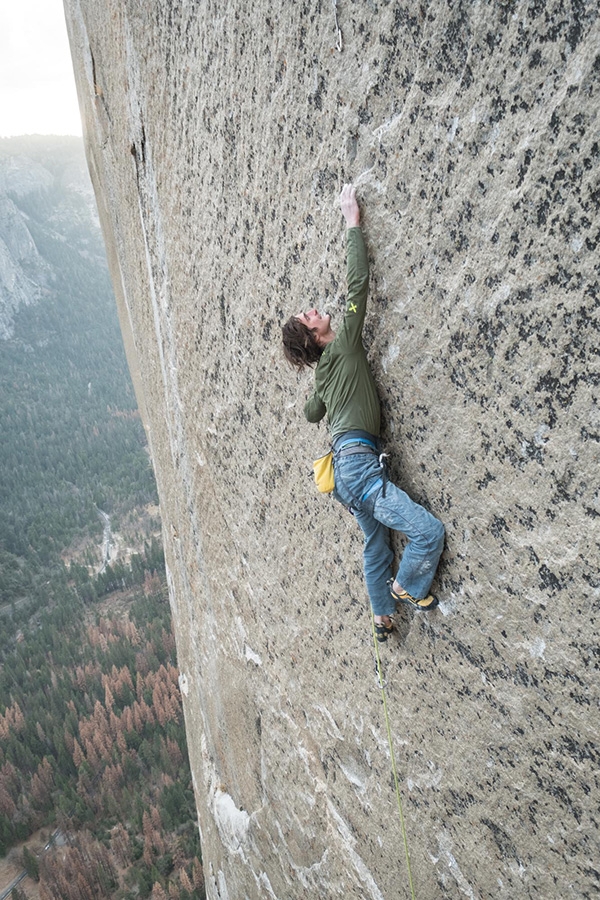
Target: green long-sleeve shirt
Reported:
point(344, 385)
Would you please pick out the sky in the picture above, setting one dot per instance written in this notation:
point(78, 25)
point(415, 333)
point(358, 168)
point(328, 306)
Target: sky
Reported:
point(37, 88)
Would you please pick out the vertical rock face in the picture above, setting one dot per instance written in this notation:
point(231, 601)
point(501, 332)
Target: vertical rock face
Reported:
point(218, 137)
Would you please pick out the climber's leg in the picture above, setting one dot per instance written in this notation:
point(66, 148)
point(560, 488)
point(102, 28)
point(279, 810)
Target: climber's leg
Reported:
point(425, 536)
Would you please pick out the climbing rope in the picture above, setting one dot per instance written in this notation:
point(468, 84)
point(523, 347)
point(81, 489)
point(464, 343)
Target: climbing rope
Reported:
point(392, 756)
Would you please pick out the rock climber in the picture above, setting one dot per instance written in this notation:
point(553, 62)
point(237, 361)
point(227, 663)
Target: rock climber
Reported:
point(345, 391)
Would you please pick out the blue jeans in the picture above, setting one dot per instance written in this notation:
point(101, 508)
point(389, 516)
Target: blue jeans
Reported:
point(359, 485)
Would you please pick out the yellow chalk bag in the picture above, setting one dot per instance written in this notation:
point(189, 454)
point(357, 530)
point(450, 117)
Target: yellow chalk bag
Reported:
point(323, 472)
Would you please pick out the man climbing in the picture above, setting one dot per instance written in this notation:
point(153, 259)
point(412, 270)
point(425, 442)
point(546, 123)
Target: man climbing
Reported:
point(346, 392)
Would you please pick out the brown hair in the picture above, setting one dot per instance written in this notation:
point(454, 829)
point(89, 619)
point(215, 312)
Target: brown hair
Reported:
point(299, 344)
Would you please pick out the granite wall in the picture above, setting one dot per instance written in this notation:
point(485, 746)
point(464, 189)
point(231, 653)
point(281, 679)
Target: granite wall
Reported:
point(218, 136)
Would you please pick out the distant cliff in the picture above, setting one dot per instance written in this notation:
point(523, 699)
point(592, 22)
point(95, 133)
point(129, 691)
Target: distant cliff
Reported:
point(45, 197)
point(218, 136)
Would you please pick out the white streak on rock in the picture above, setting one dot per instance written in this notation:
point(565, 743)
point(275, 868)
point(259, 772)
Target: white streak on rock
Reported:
point(222, 886)
point(425, 780)
point(325, 712)
point(352, 777)
point(233, 823)
point(349, 841)
point(251, 656)
point(445, 845)
point(536, 648)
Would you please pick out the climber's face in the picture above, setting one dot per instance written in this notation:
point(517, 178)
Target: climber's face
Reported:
point(318, 324)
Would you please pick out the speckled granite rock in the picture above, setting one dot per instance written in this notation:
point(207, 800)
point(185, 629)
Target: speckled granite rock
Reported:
point(219, 135)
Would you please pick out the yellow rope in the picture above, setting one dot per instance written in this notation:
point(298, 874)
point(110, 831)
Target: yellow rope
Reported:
point(393, 758)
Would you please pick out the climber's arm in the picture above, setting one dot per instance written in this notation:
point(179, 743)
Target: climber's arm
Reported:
point(314, 408)
point(350, 334)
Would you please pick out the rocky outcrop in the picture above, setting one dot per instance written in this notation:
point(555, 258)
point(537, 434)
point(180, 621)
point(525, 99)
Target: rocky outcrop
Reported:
point(218, 137)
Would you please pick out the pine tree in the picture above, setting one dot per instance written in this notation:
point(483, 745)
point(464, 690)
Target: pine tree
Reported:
point(121, 844)
point(78, 756)
point(7, 804)
point(184, 878)
point(198, 874)
point(109, 700)
point(91, 755)
point(31, 864)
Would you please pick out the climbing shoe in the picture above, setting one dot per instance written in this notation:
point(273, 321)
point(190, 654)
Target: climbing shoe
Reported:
point(426, 603)
point(383, 631)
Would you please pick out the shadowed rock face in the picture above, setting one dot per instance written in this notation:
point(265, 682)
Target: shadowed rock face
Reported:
point(218, 136)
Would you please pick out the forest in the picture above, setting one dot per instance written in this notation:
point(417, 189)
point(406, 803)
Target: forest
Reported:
point(92, 743)
point(92, 739)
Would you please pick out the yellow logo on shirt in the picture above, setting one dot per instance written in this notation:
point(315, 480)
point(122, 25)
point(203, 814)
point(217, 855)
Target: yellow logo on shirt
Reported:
point(352, 307)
